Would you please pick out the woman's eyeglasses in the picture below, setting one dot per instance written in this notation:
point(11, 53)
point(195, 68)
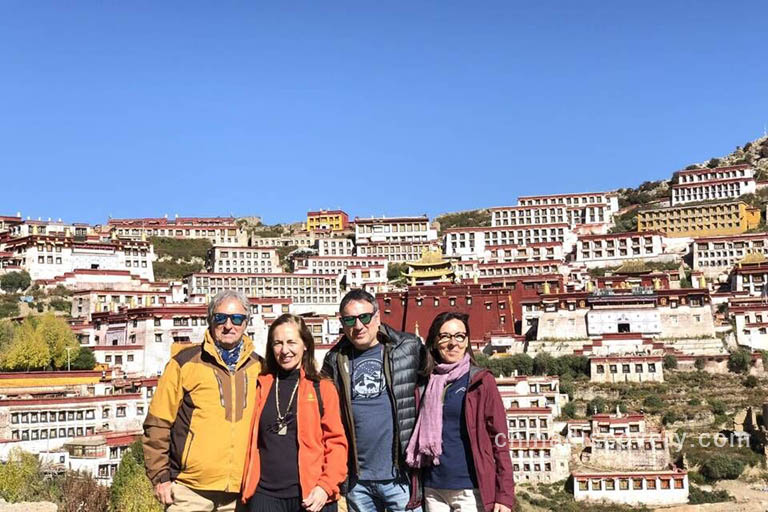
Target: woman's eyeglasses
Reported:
point(444, 337)
point(221, 318)
point(351, 320)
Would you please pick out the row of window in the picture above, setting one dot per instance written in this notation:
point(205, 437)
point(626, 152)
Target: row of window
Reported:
point(535, 454)
point(713, 175)
point(64, 416)
point(320, 296)
point(631, 445)
point(568, 200)
point(52, 416)
point(636, 484)
point(528, 422)
point(392, 228)
point(625, 368)
point(536, 467)
point(36, 434)
point(246, 255)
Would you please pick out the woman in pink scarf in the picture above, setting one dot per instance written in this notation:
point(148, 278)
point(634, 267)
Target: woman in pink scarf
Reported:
point(460, 437)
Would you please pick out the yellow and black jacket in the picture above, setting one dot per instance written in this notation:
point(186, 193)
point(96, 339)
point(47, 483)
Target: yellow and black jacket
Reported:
point(197, 429)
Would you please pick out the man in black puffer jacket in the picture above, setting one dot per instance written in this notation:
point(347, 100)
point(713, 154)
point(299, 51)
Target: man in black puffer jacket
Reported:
point(376, 370)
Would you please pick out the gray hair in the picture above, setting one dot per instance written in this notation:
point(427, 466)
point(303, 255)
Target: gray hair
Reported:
point(227, 295)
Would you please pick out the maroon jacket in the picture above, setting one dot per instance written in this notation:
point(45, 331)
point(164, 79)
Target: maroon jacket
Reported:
point(487, 429)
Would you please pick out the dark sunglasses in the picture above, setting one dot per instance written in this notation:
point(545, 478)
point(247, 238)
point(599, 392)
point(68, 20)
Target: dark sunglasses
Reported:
point(221, 318)
point(351, 320)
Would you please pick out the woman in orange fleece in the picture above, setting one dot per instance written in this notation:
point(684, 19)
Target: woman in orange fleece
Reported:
point(297, 455)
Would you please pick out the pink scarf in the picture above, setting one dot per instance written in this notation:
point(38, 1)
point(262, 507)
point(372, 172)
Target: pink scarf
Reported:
point(426, 443)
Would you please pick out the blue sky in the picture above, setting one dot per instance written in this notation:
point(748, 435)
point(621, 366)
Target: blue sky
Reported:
point(275, 108)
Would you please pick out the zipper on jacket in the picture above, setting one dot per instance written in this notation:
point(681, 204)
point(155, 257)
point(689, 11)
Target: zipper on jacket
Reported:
point(342, 364)
point(245, 392)
point(221, 390)
point(393, 401)
point(233, 393)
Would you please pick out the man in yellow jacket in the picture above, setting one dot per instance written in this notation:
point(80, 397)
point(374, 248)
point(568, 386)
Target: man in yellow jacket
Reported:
point(196, 432)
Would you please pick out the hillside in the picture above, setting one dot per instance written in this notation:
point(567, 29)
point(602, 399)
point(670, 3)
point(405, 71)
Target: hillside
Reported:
point(175, 258)
point(469, 218)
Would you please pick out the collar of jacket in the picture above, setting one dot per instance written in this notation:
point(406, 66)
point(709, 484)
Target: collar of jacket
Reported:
point(476, 374)
point(210, 346)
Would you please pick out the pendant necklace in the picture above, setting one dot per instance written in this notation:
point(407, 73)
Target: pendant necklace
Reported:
point(282, 424)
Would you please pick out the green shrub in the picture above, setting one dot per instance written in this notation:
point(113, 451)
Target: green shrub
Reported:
point(653, 402)
point(670, 361)
point(717, 406)
point(751, 382)
point(131, 491)
point(172, 270)
point(9, 309)
point(13, 282)
point(722, 467)
point(700, 363)
point(569, 410)
point(178, 249)
point(566, 386)
point(542, 363)
point(694, 402)
point(596, 406)
point(60, 305)
point(739, 361)
point(670, 417)
point(698, 496)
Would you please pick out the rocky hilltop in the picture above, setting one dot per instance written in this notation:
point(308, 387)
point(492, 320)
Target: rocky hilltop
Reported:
point(754, 153)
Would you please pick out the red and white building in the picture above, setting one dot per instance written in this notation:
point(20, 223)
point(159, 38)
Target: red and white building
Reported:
point(529, 215)
point(713, 184)
point(87, 302)
point(309, 292)
point(614, 249)
point(138, 341)
point(8, 221)
point(23, 228)
point(751, 317)
point(717, 254)
point(98, 455)
point(41, 411)
point(595, 208)
point(483, 242)
point(243, 260)
point(219, 230)
point(396, 251)
point(393, 229)
point(540, 461)
point(335, 247)
point(51, 256)
point(626, 368)
point(664, 487)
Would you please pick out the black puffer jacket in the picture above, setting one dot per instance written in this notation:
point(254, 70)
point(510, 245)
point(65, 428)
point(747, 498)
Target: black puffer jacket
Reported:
point(403, 358)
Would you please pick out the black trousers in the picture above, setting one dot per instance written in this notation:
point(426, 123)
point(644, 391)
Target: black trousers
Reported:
point(263, 503)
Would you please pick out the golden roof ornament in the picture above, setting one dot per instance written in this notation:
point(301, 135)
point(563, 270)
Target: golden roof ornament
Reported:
point(753, 258)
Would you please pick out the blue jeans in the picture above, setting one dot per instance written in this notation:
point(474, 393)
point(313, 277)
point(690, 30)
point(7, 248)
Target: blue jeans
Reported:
point(379, 495)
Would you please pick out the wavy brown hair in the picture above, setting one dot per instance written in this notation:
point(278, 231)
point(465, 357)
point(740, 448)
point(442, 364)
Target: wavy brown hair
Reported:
point(307, 360)
point(432, 357)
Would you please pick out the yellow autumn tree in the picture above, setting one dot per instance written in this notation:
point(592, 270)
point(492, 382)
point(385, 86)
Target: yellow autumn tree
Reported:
point(27, 350)
point(58, 336)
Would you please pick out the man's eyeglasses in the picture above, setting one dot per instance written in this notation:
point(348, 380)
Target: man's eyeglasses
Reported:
point(444, 337)
point(221, 318)
point(351, 320)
